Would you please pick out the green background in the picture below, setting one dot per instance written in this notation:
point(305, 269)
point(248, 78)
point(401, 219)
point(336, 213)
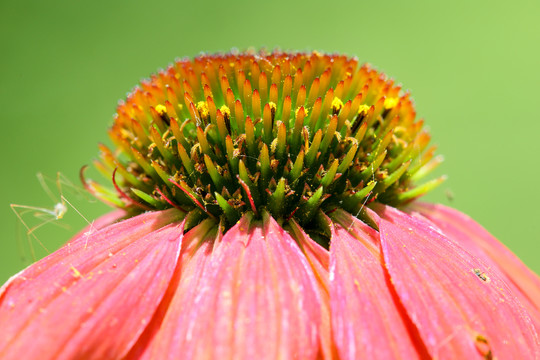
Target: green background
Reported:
point(472, 67)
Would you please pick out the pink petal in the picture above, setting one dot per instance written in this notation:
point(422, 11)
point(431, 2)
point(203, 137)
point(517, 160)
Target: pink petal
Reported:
point(368, 320)
point(101, 222)
point(252, 296)
point(476, 239)
point(92, 298)
point(319, 258)
point(160, 334)
point(462, 229)
point(460, 307)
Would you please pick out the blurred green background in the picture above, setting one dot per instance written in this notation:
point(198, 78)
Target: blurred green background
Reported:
point(472, 67)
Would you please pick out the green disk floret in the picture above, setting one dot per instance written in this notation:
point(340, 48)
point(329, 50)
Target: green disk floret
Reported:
point(292, 134)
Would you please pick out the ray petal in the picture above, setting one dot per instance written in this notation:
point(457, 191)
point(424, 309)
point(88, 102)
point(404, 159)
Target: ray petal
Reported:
point(367, 318)
point(100, 223)
point(92, 298)
point(461, 309)
point(476, 239)
point(319, 258)
point(252, 295)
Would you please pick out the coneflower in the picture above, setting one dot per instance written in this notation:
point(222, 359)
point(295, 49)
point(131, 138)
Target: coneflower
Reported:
point(269, 212)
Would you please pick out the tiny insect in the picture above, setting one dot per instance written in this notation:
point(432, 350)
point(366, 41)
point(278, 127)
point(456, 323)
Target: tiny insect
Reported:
point(483, 347)
point(449, 195)
point(34, 218)
point(481, 275)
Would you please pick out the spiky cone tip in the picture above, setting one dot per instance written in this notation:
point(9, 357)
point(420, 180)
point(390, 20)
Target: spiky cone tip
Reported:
point(294, 134)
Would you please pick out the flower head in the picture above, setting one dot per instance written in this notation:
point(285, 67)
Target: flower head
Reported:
point(269, 212)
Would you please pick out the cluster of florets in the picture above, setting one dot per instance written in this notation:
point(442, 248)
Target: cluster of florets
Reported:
point(288, 133)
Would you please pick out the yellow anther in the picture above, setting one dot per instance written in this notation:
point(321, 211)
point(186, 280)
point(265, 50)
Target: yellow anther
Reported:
point(272, 105)
point(161, 109)
point(225, 111)
point(398, 130)
point(390, 102)
point(363, 109)
point(337, 104)
point(202, 108)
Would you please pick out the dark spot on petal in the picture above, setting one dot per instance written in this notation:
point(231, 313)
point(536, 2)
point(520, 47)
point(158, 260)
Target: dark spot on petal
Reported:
point(481, 275)
point(483, 348)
